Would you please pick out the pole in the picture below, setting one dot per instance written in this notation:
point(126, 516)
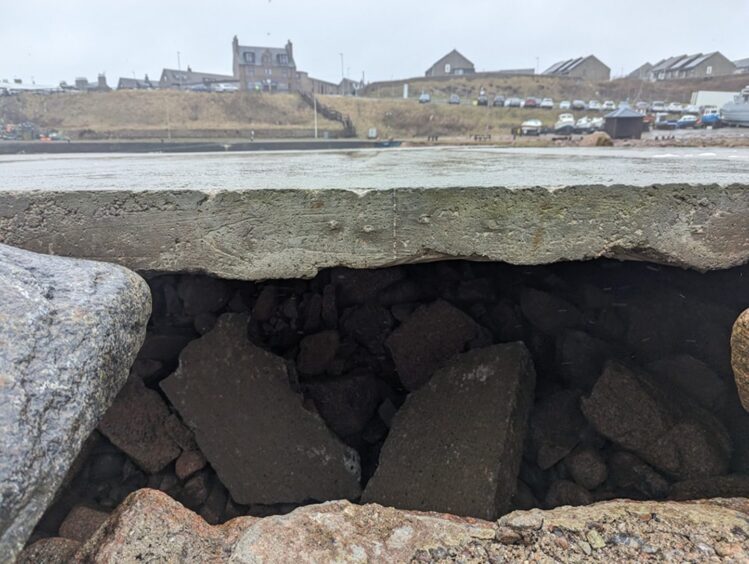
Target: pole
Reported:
point(343, 74)
point(314, 98)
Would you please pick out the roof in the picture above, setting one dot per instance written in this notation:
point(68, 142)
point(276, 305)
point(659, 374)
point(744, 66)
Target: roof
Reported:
point(466, 60)
point(623, 113)
point(742, 63)
point(259, 51)
point(566, 66)
point(192, 77)
point(683, 62)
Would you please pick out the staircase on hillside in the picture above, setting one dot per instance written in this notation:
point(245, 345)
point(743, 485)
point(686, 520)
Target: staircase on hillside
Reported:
point(329, 113)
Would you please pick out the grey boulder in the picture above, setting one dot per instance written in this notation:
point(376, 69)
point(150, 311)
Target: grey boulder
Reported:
point(69, 333)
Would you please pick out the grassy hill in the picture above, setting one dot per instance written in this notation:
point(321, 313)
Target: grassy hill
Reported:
point(132, 113)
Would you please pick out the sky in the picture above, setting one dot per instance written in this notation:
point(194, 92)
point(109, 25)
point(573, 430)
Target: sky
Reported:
point(54, 40)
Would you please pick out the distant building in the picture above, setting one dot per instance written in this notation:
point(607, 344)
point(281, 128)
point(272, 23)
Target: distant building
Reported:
point(82, 84)
point(742, 66)
point(190, 79)
point(137, 84)
point(700, 65)
point(268, 69)
point(453, 63)
point(642, 72)
point(589, 68)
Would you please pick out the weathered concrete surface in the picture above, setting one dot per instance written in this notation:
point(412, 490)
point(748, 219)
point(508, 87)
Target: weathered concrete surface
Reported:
point(289, 216)
point(151, 527)
point(69, 332)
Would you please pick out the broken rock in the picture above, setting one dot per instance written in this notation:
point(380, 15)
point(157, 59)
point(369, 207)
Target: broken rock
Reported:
point(740, 357)
point(252, 428)
point(430, 336)
point(455, 445)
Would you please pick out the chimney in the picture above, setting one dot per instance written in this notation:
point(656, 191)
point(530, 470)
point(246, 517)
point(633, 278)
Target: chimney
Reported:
point(290, 50)
point(235, 44)
point(102, 81)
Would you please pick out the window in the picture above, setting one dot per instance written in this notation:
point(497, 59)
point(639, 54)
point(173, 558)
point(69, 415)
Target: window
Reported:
point(448, 68)
point(709, 70)
point(249, 57)
point(268, 72)
point(282, 59)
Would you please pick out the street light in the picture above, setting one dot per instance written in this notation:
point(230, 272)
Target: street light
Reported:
point(343, 75)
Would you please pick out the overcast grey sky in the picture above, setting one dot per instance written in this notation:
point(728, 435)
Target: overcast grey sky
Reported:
point(53, 40)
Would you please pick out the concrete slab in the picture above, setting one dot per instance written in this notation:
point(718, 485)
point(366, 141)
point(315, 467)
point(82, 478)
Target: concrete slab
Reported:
point(277, 215)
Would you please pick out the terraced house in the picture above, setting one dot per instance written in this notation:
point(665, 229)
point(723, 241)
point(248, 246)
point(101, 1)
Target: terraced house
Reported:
point(699, 65)
point(269, 69)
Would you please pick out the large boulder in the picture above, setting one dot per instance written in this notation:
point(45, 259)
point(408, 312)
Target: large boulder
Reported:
point(253, 429)
point(663, 427)
point(455, 445)
point(69, 333)
point(740, 357)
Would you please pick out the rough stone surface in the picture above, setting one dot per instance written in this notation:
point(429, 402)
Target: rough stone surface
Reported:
point(421, 344)
point(250, 425)
point(301, 215)
point(149, 526)
point(564, 492)
point(316, 352)
point(693, 377)
point(136, 423)
point(733, 485)
point(586, 467)
point(635, 478)
point(670, 432)
point(437, 458)
point(346, 404)
point(556, 425)
point(614, 531)
point(81, 523)
point(740, 357)
point(69, 332)
point(53, 550)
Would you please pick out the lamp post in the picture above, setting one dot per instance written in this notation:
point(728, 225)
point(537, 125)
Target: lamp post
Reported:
point(343, 75)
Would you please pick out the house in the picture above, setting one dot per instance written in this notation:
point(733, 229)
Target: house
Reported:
point(190, 79)
point(83, 85)
point(742, 66)
point(590, 68)
point(700, 65)
point(642, 72)
point(136, 84)
point(270, 69)
point(451, 64)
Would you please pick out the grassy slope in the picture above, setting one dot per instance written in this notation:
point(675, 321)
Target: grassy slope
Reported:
point(143, 110)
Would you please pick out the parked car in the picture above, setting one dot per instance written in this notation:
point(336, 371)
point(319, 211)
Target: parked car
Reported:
point(513, 103)
point(530, 103)
point(199, 88)
point(662, 121)
point(225, 87)
point(658, 107)
point(565, 105)
point(565, 124)
point(642, 106)
point(675, 108)
point(579, 105)
point(547, 104)
point(687, 121)
point(692, 109)
point(425, 98)
point(583, 125)
point(499, 102)
point(594, 106)
point(531, 127)
point(711, 117)
point(482, 100)
point(454, 99)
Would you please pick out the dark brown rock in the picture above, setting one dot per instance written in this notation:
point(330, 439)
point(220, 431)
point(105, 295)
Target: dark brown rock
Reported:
point(664, 428)
point(636, 479)
point(369, 325)
point(265, 447)
point(53, 550)
point(165, 346)
point(215, 504)
point(693, 377)
point(586, 467)
point(204, 322)
point(316, 352)
point(329, 307)
point(581, 358)
point(556, 426)
point(195, 490)
point(733, 485)
point(363, 286)
point(265, 304)
point(455, 445)
point(202, 294)
point(346, 404)
point(550, 314)
point(427, 339)
point(81, 523)
point(135, 424)
point(188, 463)
point(564, 492)
point(179, 433)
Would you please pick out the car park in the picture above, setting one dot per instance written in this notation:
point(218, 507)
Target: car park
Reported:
point(579, 105)
point(499, 101)
point(454, 100)
point(425, 98)
point(547, 104)
point(565, 105)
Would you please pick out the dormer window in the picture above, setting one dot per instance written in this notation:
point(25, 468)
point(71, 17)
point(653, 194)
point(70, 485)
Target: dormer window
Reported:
point(249, 57)
point(283, 59)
